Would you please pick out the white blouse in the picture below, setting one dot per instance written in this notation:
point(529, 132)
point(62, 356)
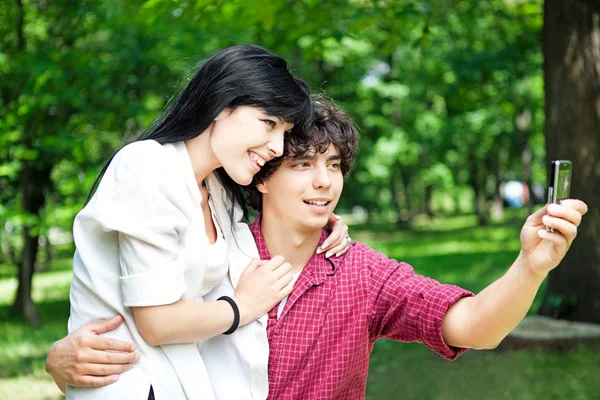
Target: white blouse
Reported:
point(141, 241)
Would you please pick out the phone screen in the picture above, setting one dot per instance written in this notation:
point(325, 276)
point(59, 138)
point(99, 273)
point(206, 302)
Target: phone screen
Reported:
point(560, 180)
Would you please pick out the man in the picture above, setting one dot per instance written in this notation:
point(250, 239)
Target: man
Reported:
point(321, 336)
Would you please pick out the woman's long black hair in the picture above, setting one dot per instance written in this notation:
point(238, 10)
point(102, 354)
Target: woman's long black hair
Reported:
point(235, 76)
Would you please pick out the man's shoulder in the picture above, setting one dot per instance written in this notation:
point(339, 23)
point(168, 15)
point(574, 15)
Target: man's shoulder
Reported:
point(361, 255)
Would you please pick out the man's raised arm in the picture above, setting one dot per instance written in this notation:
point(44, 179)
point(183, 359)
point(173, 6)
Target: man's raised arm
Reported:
point(482, 321)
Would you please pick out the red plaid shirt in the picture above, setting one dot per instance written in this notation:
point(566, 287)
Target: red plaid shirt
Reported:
point(320, 345)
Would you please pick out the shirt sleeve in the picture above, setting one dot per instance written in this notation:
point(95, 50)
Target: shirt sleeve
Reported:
point(408, 307)
point(141, 197)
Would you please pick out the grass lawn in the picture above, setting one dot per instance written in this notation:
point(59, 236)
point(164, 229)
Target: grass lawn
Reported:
point(452, 250)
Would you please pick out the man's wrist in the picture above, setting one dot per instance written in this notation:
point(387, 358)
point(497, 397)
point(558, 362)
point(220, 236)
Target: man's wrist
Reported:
point(527, 271)
point(52, 371)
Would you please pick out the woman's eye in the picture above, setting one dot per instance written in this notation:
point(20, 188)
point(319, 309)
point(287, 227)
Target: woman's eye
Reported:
point(269, 122)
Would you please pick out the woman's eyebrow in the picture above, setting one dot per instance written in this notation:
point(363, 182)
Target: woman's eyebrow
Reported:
point(275, 117)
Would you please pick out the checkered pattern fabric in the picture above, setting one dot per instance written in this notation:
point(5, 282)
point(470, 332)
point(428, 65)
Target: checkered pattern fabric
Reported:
point(339, 307)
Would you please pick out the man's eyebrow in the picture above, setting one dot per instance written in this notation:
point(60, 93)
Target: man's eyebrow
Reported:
point(307, 156)
point(312, 156)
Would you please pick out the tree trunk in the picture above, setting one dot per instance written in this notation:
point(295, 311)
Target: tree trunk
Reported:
point(497, 208)
point(8, 252)
point(572, 79)
point(478, 191)
point(33, 182)
point(395, 188)
point(523, 123)
point(405, 218)
point(32, 197)
point(23, 304)
point(429, 200)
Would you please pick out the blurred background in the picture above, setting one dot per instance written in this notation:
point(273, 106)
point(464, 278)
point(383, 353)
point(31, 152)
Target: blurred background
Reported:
point(461, 105)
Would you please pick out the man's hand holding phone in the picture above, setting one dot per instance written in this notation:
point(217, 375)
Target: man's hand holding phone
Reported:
point(549, 232)
point(542, 250)
point(559, 182)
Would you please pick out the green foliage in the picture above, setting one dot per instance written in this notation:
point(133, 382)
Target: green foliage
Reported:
point(436, 88)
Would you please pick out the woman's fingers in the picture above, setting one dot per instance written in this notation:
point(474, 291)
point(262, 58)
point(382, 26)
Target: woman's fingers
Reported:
point(282, 270)
point(338, 231)
point(339, 250)
point(286, 286)
point(272, 264)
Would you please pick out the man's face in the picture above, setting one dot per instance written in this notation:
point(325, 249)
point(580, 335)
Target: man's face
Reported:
point(304, 191)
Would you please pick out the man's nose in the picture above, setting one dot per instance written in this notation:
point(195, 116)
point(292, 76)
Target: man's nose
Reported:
point(321, 178)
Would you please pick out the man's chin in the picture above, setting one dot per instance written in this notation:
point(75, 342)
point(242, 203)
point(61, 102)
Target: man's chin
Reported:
point(316, 221)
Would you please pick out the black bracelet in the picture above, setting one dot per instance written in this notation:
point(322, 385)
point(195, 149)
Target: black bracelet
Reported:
point(236, 314)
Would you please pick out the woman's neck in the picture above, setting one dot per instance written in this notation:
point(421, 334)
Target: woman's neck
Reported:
point(203, 159)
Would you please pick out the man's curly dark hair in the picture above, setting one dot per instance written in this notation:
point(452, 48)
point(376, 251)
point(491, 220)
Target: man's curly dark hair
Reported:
point(330, 126)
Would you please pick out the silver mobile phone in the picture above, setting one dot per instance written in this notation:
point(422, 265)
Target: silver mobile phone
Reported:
point(559, 182)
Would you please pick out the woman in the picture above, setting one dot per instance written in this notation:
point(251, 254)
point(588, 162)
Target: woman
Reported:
point(153, 238)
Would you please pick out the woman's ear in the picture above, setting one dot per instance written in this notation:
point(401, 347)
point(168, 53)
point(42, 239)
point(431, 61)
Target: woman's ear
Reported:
point(224, 114)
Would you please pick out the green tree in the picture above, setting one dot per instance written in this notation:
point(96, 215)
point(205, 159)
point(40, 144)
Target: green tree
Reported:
point(75, 75)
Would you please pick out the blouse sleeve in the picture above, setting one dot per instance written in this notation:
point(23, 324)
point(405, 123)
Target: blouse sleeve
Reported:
point(142, 197)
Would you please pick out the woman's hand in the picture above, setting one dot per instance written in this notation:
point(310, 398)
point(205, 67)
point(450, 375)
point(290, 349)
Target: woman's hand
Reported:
point(84, 358)
point(338, 241)
point(262, 286)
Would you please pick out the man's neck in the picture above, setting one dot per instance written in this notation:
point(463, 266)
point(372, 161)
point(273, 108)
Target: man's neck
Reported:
point(295, 245)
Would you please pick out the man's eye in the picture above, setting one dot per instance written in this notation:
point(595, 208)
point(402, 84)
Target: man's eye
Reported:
point(301, 165)
point(335, 166)
point(269, 122)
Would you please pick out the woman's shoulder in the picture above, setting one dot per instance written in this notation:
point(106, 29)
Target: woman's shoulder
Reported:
point(145, 158)
point(144, 150)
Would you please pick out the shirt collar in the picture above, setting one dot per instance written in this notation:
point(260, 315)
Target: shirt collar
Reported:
point(186, 165)
point(318, 266)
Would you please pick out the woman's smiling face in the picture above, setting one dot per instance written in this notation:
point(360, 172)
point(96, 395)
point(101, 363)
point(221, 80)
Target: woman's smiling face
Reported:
point(244, 138)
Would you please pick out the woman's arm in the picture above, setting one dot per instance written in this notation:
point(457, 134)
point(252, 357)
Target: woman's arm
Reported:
point(84, 358)
point(262, 285)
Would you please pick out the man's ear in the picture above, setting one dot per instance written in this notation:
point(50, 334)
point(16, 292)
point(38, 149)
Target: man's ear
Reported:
point(261, 187)
point(224, 114)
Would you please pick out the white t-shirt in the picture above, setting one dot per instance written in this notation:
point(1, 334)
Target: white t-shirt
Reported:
point(141, 241)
